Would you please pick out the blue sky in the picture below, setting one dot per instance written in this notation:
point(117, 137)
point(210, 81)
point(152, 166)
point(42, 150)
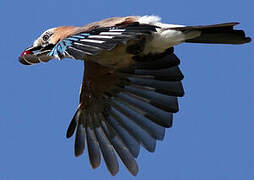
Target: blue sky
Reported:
point(212, 135)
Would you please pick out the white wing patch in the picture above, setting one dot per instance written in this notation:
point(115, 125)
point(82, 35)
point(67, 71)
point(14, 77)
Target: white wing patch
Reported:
point(100, 37)
point(118, 30)
point(110, 33)
point(92, 41)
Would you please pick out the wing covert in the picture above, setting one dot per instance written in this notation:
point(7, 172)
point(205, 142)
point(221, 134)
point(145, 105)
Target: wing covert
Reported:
point(100, 39)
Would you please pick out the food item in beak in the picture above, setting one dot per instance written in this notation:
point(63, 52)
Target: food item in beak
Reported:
point(27, 57)
point(26, 52)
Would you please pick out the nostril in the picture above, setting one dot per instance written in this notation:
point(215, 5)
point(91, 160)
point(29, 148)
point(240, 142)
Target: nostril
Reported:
point(26, 52)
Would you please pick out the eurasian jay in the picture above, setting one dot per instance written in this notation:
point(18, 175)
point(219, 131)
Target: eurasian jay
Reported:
point(131, 80)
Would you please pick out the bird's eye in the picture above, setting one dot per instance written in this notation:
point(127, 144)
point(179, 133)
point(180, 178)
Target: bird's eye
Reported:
point(45, 37)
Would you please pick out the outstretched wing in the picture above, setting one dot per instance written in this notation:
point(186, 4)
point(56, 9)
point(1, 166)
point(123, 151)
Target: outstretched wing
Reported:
point(122, 109)
point(91, 43)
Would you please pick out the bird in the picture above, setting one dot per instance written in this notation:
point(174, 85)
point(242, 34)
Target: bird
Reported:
point(131, 83)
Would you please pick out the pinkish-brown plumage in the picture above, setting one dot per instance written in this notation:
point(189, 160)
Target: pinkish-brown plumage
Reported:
point(62, 32)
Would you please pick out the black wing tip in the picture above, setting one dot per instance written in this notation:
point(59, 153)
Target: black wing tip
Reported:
point(73, 124)
point(113, 173)
point(78, 148)
point(94, 166)
point(134, 171)
point(69, 134)
point(78, 153)
point(71, 129)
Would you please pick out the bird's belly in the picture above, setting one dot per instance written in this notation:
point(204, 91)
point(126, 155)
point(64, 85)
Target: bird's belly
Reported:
point(115, 58)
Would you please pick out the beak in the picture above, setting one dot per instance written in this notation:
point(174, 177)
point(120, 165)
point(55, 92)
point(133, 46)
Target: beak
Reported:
point(33, 48)
point(36, 54)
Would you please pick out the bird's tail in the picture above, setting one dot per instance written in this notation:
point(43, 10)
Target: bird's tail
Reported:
point(217, 34)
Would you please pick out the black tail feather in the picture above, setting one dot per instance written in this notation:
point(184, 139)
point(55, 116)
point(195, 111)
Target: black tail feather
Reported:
point(217, 34)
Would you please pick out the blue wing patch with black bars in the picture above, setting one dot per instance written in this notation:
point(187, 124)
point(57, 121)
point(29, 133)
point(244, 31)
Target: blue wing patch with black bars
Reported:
point(91, 43)
point(61, 47)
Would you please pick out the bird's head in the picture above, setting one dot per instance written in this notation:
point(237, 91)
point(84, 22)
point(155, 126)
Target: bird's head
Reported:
point(39, 51)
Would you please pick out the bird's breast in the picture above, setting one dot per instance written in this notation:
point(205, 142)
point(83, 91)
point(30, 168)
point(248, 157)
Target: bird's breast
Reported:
point(119, 57)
